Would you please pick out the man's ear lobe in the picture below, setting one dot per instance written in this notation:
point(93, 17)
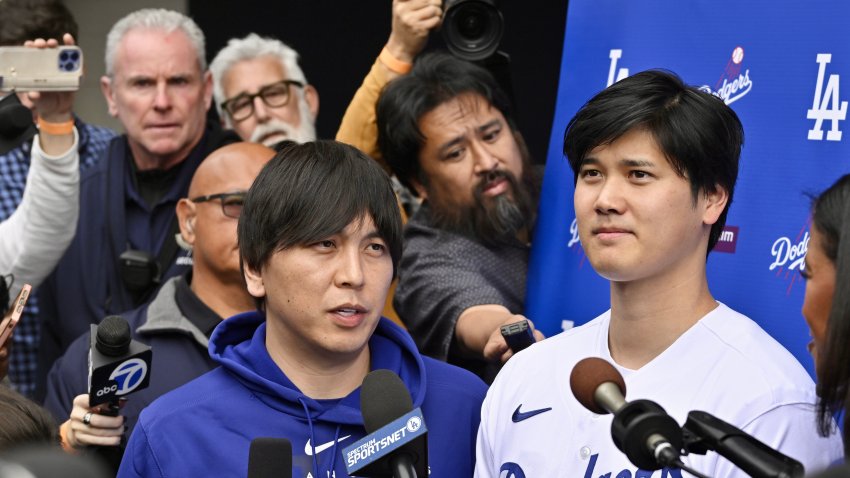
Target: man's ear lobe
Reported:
point(715, 203)
point(253, 281)
point(186, 214)
point(106, 88)
point(419, 189)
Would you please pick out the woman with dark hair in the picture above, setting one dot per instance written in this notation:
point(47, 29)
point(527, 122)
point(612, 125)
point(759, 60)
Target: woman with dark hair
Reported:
point(827, 269)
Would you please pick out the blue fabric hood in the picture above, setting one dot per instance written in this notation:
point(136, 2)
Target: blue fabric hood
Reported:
point(238, 345)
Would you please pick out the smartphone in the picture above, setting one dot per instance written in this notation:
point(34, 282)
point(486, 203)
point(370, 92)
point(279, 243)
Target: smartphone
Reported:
point(40, 69)
point(518, 335)
point(11, 319)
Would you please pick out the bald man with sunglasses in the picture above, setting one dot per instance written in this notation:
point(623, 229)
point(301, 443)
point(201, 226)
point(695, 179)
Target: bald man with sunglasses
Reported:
point(178, 322)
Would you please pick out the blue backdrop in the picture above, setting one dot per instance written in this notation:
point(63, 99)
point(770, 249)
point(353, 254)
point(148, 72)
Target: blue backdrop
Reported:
point(779, 66)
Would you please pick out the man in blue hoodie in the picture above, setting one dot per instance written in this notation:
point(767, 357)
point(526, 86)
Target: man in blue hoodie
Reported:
point(320, 239)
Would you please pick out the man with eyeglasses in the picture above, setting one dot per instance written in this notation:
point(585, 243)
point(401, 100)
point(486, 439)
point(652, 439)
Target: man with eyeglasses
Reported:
point(178, 322)
point(262, 94)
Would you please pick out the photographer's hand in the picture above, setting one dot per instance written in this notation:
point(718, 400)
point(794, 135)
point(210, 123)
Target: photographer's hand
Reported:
point(413, 20)
point(52, 108)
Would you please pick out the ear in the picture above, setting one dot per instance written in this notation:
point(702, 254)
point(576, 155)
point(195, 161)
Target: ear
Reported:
point(208, 90)
point(419, 188)
point(254, 281)
point(109, 93)
point(312, 98)
point(186, 214)
point(715, 203)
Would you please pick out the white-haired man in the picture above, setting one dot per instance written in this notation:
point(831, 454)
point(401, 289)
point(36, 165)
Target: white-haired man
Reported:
point(158, 86)
point(263, 95)
point(261, 92)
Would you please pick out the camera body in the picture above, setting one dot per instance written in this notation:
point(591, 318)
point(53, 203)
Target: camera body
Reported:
point(472, 29)
point(40, 69)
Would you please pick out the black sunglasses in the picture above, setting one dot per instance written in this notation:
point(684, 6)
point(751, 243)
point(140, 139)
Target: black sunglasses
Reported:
point(231, 203)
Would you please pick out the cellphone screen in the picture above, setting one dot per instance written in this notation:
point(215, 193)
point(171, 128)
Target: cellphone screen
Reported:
point(14, 315)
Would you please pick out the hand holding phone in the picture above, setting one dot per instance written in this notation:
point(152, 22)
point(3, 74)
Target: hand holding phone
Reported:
point(518, 335)
point(27, 68)
point(10, 320)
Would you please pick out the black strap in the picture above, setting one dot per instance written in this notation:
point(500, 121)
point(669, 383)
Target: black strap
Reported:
point(168, 251)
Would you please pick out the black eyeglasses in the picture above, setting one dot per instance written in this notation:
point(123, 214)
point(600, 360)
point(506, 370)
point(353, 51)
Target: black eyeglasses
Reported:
point(274, 95)
point(231, 203)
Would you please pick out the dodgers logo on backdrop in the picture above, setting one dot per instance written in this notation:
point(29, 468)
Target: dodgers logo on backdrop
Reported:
point(790, 253)
point(826, 103)
point(129, 375)
point(733, 84)
point(574, 239)
point(615, 75)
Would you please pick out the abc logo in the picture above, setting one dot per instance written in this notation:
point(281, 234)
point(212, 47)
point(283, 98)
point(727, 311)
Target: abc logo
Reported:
point(128, 376)
point(107, 390)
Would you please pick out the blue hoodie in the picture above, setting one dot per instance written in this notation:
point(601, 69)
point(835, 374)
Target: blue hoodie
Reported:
point(205, 427)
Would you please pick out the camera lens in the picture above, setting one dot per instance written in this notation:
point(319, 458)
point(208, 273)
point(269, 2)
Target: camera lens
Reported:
point(472, 29)
point(470, 24)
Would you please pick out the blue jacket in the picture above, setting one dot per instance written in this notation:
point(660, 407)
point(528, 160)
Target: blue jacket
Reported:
point(205, 428)
point(86, 285)
point(179, 355)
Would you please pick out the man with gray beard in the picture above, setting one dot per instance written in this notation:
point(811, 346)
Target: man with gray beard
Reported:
point(447, 133)
point(261, 92)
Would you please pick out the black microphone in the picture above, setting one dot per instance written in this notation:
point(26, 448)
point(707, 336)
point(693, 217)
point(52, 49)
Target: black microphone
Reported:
point(396, 445)
point(270, 458)
point(705, 432)
point(641, 429)
point(118, 365)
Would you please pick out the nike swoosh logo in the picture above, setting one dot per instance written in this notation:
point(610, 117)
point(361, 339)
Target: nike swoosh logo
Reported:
point(308, 450)
point(519, 416)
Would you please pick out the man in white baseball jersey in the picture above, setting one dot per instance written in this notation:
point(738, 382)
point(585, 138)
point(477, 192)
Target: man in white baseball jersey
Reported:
point(655, 164)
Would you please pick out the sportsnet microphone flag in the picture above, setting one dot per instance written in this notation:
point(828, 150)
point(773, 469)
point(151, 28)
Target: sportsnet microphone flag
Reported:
point(779, 68)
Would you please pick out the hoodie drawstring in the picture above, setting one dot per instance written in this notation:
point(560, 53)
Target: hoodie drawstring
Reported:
point(333, 458)
point(332, 473)
point(312, 436)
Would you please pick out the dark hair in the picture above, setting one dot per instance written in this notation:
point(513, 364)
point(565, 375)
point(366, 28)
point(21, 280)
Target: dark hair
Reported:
point(311, 191)
point(831, 217)
point(30, 19)
point(23, 422)
point(435, 79)
point(697, 132)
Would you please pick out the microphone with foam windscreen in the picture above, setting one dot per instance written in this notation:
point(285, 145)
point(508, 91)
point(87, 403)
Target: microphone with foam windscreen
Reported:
point(270, 458)
point(118, 365)
point(395, 445)
point(641, 429)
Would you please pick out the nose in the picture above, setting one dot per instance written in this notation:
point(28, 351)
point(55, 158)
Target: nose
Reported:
point(349, 272)
point(484, 160)
point(162, 100)
point(260, 110)
point(609, 198)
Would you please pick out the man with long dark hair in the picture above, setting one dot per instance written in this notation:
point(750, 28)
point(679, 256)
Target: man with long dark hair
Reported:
point(447, 133)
